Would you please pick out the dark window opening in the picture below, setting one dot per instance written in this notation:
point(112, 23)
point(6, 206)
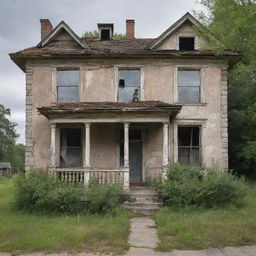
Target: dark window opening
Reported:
point(70, 147)
point(189, 85)
point(189, 145)
point(186, 43)
point(68, 85)
point(129, 85)
point(105, 34)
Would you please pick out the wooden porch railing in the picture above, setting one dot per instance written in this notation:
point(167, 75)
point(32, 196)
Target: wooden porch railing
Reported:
point(102, 176)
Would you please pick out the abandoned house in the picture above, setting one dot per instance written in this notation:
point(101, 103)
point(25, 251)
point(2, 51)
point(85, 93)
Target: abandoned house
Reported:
point(122, 110)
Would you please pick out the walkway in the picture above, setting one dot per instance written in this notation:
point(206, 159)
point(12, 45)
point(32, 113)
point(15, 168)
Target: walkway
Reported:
point(143, 239)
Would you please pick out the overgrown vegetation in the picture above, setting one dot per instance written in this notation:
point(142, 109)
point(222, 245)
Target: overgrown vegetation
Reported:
point(95, 34)
point(233, 24)
point(22, 232)
point(10, 151)
point(102, 198)
point(36, 191)
point(190, 186)
point(194, 229)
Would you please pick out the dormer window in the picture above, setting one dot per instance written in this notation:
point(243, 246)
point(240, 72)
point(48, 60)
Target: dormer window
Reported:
point(106, 31)
point(186, 43)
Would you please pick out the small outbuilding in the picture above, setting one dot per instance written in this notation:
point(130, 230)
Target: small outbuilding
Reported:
point(5, 168)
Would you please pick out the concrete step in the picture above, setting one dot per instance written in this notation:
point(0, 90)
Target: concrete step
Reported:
point(142, 210)
point(146, 204)
point(148, 195)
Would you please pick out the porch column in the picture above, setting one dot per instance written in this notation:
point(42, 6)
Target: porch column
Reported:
point(165, 148)
point(126, 155)
point(87, 148)
point(53, 145)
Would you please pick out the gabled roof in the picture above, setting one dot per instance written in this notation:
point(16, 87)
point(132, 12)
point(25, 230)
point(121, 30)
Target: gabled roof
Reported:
point(187, 17)
point(62, 26)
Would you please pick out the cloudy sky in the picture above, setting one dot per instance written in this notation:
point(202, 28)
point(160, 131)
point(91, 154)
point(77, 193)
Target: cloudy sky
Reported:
point(20, 28)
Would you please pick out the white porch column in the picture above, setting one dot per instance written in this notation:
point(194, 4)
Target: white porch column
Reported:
point(126, 156)
point(126, 145)
point(165, 148)
point(53, 145)
point(87, 149)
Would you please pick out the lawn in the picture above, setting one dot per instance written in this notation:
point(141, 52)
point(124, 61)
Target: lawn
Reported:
point(22, 232)
point(199, 229)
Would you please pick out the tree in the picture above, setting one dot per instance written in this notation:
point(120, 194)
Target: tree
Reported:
point(9, 150)
point(8, 134)
point(95, 34)
point(232, 22)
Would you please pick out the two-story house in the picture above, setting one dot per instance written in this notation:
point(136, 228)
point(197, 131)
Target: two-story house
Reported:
point(122, 110)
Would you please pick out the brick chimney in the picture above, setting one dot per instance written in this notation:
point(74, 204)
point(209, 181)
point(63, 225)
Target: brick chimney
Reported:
point(130, 27)
point(46, 27)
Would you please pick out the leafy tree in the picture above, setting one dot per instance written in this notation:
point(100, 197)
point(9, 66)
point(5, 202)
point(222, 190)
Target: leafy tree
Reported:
point(9, 150)
point(233, 24)
point(7, 132)
point(95, 34)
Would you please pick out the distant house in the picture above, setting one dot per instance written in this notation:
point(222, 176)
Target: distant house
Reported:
point(122, 110)
point(5, 168)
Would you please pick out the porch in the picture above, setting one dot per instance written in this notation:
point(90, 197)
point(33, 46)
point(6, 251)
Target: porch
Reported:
point(113, 147)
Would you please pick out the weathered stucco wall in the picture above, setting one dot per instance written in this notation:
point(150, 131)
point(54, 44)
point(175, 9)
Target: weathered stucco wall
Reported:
point(42, 94)
point(104, 141)
point(99, 82)
point(153, 151)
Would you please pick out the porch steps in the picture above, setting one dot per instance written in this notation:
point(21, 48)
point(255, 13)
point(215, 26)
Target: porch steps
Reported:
point(145, 202)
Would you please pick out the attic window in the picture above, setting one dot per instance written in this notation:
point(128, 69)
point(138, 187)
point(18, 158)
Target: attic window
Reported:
point(105, 34)
point(186, 43)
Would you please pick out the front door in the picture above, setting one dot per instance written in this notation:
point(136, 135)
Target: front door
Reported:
point(135, 161)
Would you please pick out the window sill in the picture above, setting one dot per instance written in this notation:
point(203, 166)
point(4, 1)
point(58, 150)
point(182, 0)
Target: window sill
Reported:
point(192, 103)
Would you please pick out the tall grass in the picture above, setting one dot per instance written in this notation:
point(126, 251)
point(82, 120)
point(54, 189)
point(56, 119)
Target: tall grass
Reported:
point(23, 232)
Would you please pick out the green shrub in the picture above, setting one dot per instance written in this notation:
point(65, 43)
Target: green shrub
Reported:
point(102, 199)
point(36, 191)
point(188, 186)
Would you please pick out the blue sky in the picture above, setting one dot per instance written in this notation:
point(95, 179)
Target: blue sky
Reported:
point(20, 28)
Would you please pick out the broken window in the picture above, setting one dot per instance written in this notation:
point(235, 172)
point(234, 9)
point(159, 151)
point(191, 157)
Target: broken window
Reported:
point(129, 85)
point(189, 145)
point(70, 147)
point(189, 85)
point(186, 43)
point(105, 34)
point(68, 85)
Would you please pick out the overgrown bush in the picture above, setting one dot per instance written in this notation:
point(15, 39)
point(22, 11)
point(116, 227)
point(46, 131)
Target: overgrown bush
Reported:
point(191, 186)
point(102, 199)
point(36, 191)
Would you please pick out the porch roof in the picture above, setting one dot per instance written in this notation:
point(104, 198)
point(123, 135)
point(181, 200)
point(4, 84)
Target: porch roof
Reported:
point(109, 107)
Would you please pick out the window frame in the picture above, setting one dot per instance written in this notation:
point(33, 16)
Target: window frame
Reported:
point(190, 147)
point(200, 84)
point(119, 68)
point(55, 79)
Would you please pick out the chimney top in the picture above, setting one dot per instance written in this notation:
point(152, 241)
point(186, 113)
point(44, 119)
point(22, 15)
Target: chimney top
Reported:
point(46, 27)
point(130, 29)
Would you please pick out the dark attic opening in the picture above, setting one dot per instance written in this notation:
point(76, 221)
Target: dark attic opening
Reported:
point(105, 34)
point(187, 43)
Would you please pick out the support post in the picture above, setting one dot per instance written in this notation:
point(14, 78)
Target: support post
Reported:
point(126, 156)
point(53, 145)
point(165, 148)
point(87, 148)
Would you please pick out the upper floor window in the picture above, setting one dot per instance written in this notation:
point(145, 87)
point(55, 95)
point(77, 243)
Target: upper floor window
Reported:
point(186, 43)
point(189, 85)
point(68, 85)
point(129, 85)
